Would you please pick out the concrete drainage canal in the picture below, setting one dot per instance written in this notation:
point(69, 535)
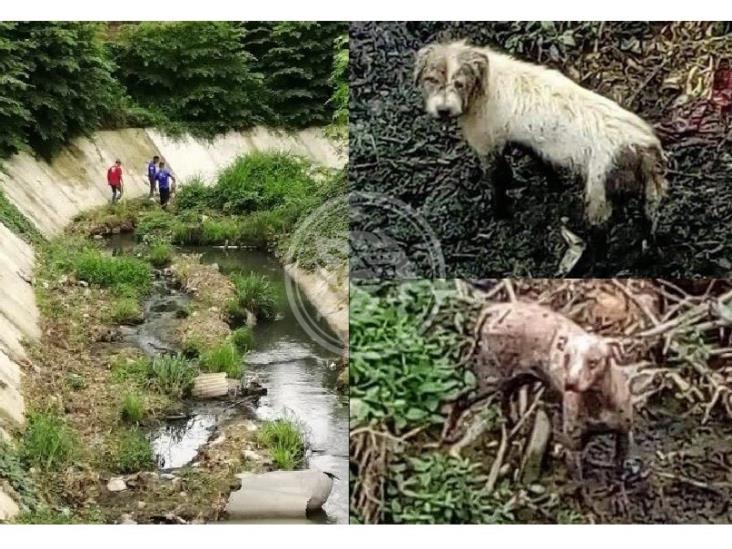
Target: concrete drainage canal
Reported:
point(287, 374)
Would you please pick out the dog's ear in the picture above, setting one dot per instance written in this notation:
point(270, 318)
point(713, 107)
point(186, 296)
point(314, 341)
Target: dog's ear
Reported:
point(420, 61)
point(476, 63)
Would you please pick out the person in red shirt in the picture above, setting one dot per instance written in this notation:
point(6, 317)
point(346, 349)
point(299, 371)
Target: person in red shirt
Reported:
point(114, 178)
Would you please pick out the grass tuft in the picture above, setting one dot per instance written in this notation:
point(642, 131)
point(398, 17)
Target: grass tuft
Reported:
point(131, 452)
point(172, 375)
point(285, 441)
point(126, 310)
point(133, 408)
point(254, 293)
point(243, 338)
point(222, 358)
point(48, 442)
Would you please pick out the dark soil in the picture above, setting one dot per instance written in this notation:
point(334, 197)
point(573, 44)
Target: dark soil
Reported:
point(652, 69)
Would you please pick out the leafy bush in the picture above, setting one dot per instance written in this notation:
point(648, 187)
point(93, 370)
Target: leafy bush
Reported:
point(285, 441)
point(243, 338)
point(172, 375)
point(398, 374)
point(437, 489)
point(222, 358)
point(295, 58)
point(126, 310)
point(339, 81)
point(197, 73)
point(254, 293)
point(131, 452)
point(14, 112)
point(68, 77)
point(133, 408)
point(48, 442)
point(156, 224)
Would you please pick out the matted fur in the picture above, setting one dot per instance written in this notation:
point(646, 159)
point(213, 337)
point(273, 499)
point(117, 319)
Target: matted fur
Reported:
point(499, 99)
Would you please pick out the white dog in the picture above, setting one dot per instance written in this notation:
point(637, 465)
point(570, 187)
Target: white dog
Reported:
point(497, 99)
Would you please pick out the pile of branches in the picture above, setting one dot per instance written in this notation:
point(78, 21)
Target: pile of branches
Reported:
point(675, 75)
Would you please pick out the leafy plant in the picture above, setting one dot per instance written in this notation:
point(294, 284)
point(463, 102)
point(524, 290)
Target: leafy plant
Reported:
point(133, 408)
point(398, 374)
point(125, 275)
point(437, 489)
point(160, 254)
point(126, 310)
point(243, 338)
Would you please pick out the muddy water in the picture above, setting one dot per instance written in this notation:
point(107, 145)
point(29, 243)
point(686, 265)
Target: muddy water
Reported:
point(295, 370)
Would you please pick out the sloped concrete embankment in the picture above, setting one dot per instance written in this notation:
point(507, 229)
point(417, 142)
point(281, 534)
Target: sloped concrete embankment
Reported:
point(51, 194)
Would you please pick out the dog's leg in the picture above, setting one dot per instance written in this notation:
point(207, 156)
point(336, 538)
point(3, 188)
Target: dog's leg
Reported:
point(598, 209)
point(572, 433)
point(498, 171)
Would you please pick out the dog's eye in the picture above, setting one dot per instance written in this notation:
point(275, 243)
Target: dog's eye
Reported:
point(431, 80)
point(458, 85)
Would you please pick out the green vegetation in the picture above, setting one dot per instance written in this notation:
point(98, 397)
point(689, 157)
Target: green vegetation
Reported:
point(64, 79)
point(11, 217)
point(15, 472)
point(195, 73)
point(243, 338)
point(436, 489)
point(130, 452)
point(398, 374)
point(127, 370)
point(123, 275)
point(160, 254)
point(339, 80)
point(133, 408)
point(48, 442)
point(126, 310)
point(254, 293)
point(47, 515)
point(171, 375)
point(285, 441)
point(222, 358)
point(295, 58)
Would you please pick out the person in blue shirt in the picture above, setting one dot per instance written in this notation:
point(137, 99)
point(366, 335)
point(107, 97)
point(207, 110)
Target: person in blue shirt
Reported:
point(152, 171)
point(163, 178)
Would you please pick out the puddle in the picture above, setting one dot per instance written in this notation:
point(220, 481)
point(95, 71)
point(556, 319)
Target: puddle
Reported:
point(177, 442)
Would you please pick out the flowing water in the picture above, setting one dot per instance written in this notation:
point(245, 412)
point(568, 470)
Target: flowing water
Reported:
point(297, 372)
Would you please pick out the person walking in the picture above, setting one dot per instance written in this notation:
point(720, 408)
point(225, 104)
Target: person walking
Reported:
point(114, 179)
point(164, 178)
point(152, 171)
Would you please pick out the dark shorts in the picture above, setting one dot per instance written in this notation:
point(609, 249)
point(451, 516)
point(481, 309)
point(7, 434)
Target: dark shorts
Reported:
point(164, 196)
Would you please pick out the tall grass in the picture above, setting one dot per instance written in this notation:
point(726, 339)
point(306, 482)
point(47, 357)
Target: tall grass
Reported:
point(285, 441)
point(48, 442)
point(254, 293)
point(243, 338)
point(222, 358)
point(172, 375)
point(126, 310)
point(160, 254)
point(133, 408)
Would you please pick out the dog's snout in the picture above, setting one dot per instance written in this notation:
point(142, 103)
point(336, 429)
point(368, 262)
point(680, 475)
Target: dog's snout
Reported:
point(443, 113)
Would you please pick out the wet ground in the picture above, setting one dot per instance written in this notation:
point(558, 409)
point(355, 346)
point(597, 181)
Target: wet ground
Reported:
point(296, 372)
point(400, 152)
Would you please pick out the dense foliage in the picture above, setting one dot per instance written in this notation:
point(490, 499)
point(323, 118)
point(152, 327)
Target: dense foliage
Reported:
point(296, 59)
point(63, 79)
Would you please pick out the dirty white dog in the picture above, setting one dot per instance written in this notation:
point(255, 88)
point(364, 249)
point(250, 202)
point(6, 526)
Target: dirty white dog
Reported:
point(497, 99)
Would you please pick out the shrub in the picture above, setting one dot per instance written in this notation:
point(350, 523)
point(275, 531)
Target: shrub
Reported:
point(126, 310)
point(10, 216)
point(156, 224)
point(285, 441)
point(48, 442)
point(172, 375)
point(254, 293)
point(160, 254)
point(339, 81)
point(222, 358)
point(243, 338)
point(131, 452)
point(437, 489)
point(133, 408)
point(194, 195)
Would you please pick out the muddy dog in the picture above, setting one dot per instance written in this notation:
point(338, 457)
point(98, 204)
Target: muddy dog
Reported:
point(520, 342)
point(498, 100)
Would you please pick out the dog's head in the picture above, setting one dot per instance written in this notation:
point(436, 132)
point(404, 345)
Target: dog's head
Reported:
point(451, 77)
point(587, 359)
